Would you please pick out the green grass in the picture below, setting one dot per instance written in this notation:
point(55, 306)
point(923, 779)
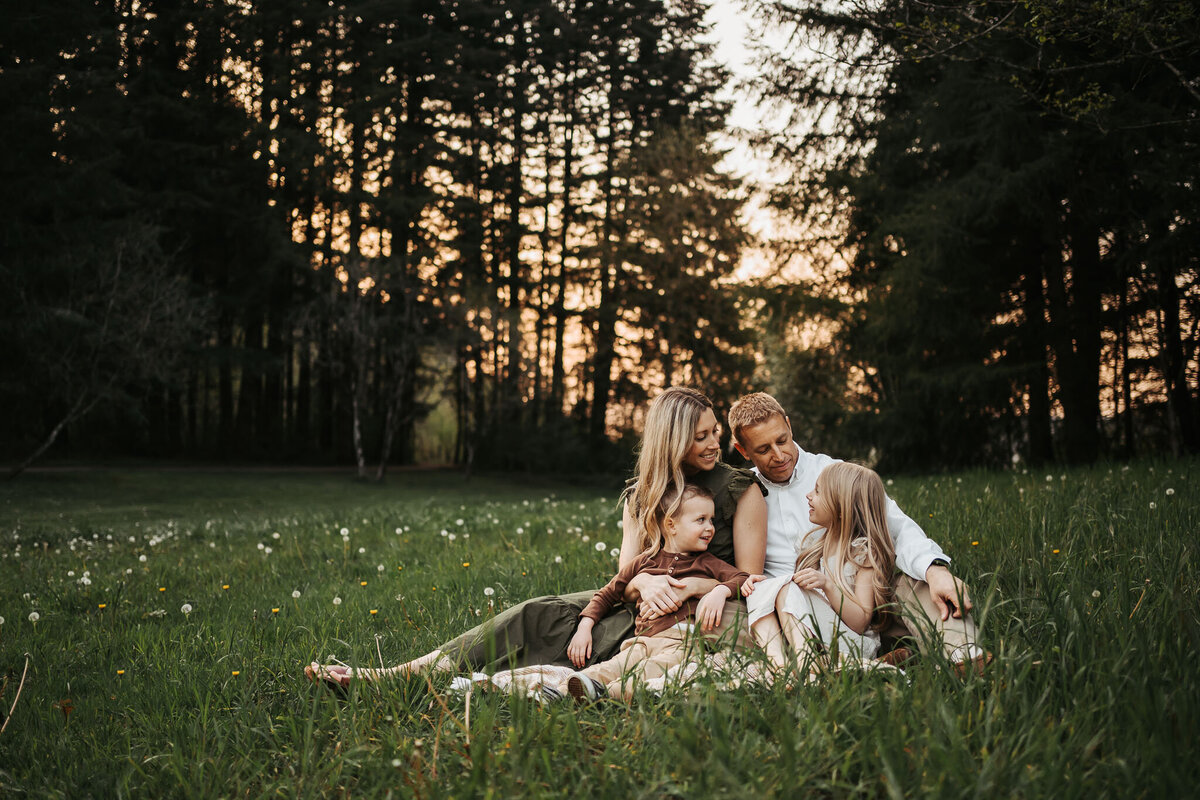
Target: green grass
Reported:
point(1087, 583)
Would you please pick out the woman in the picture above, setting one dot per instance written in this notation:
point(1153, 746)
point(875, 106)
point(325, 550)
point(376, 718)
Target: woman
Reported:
point(680, 444)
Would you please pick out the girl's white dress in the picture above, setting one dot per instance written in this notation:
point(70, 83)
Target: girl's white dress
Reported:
point(810, 608)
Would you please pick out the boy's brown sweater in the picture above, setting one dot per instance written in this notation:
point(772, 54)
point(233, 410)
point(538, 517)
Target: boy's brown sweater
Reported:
point(677, 565)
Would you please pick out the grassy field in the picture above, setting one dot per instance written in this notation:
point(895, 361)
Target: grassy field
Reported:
point(174, 612)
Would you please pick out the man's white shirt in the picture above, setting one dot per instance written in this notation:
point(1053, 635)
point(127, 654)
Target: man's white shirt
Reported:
point(787, 522)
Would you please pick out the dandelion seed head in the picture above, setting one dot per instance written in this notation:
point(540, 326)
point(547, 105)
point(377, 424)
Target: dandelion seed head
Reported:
point(558, 559)
point(337, 601)
point(344, 532)
point(1170, 492)
point(142, 558)
point(186, 608)
point(1095, 592)
point(362, 550)
point(34, 616)
point(488, 591)
point(295, 594)
point(1153, 505)
point(379, 568)
point(615, 552)
point(601, 547)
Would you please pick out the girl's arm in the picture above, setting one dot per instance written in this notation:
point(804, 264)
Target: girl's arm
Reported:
point(856, 611)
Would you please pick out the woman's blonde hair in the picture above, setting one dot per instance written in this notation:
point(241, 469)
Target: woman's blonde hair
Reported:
point(857, 533)
point(670, 430)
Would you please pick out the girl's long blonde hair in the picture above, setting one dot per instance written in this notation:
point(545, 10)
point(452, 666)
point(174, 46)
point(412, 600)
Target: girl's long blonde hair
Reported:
point(670, 430)
point(857, 534)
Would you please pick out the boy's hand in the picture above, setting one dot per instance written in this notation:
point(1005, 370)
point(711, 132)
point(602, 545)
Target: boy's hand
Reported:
point(748, 586)
point(711, 608)
point(580, 648)
point(811, 579)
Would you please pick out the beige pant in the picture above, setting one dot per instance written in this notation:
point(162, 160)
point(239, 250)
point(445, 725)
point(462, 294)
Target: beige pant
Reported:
point(919, 617)
point(641, 658)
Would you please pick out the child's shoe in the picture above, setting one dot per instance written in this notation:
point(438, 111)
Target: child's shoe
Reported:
point(585, 689)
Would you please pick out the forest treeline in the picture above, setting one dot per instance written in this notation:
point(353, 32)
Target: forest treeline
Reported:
point(344, 215)
point(999, 200)
point(325, 230)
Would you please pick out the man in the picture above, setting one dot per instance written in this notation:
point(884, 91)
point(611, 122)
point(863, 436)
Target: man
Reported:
point(933, 602)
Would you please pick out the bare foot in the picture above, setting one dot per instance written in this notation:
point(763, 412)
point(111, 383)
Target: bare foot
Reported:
point(334, 676)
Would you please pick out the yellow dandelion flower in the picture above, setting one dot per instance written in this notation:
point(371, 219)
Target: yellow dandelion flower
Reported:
point(1055, 551)
point(236, 672)
point(102, 606)
point(466, 563)
point(974, 544)
point(374, 611)
point(274, 610)
point(120, 672)
point(224, 585)
point(362, 583)
point(162, 588)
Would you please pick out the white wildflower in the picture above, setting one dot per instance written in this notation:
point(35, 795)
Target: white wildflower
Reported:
point(34, 616)
point(337, 601)
point(615, 552)
point(1095, 592)
point(362, 550)
point(295, 594)
point(142, 558)
point(558, 559)
point(266, 551)
point(275, 536)
point(1170, 492)
point(186, 608)
point(345, 532)
point(586, 538)
point(445, 532)
point(458, 522)
point(261, 545)
point(601, 547)
point(452, 537)
point(488, 591)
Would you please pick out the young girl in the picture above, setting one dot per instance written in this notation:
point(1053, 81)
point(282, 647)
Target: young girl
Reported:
point(678, 532)
point(837, 597)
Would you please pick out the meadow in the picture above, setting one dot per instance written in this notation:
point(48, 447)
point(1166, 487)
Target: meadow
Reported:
point(164, 619)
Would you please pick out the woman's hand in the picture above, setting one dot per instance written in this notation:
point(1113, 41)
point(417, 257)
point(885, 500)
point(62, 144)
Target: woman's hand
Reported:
point(748, 586)
point(657, 594)
point(580, 648)
point(811, 579)
point(712, 608)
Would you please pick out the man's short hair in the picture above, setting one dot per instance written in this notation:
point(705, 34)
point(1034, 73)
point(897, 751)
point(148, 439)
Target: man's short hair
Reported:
point(752, 410)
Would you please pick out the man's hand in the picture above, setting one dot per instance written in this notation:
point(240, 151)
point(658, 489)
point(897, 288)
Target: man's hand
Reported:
point(948, 592)
point(748, 585)
point(580, 648)
point(712, 608)
point(657, 594)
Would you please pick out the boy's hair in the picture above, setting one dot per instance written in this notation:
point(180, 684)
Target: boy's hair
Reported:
point(751, 410)
point(673, 500)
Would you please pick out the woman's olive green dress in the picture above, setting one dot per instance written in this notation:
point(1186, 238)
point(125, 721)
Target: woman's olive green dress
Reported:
point(537, 631)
